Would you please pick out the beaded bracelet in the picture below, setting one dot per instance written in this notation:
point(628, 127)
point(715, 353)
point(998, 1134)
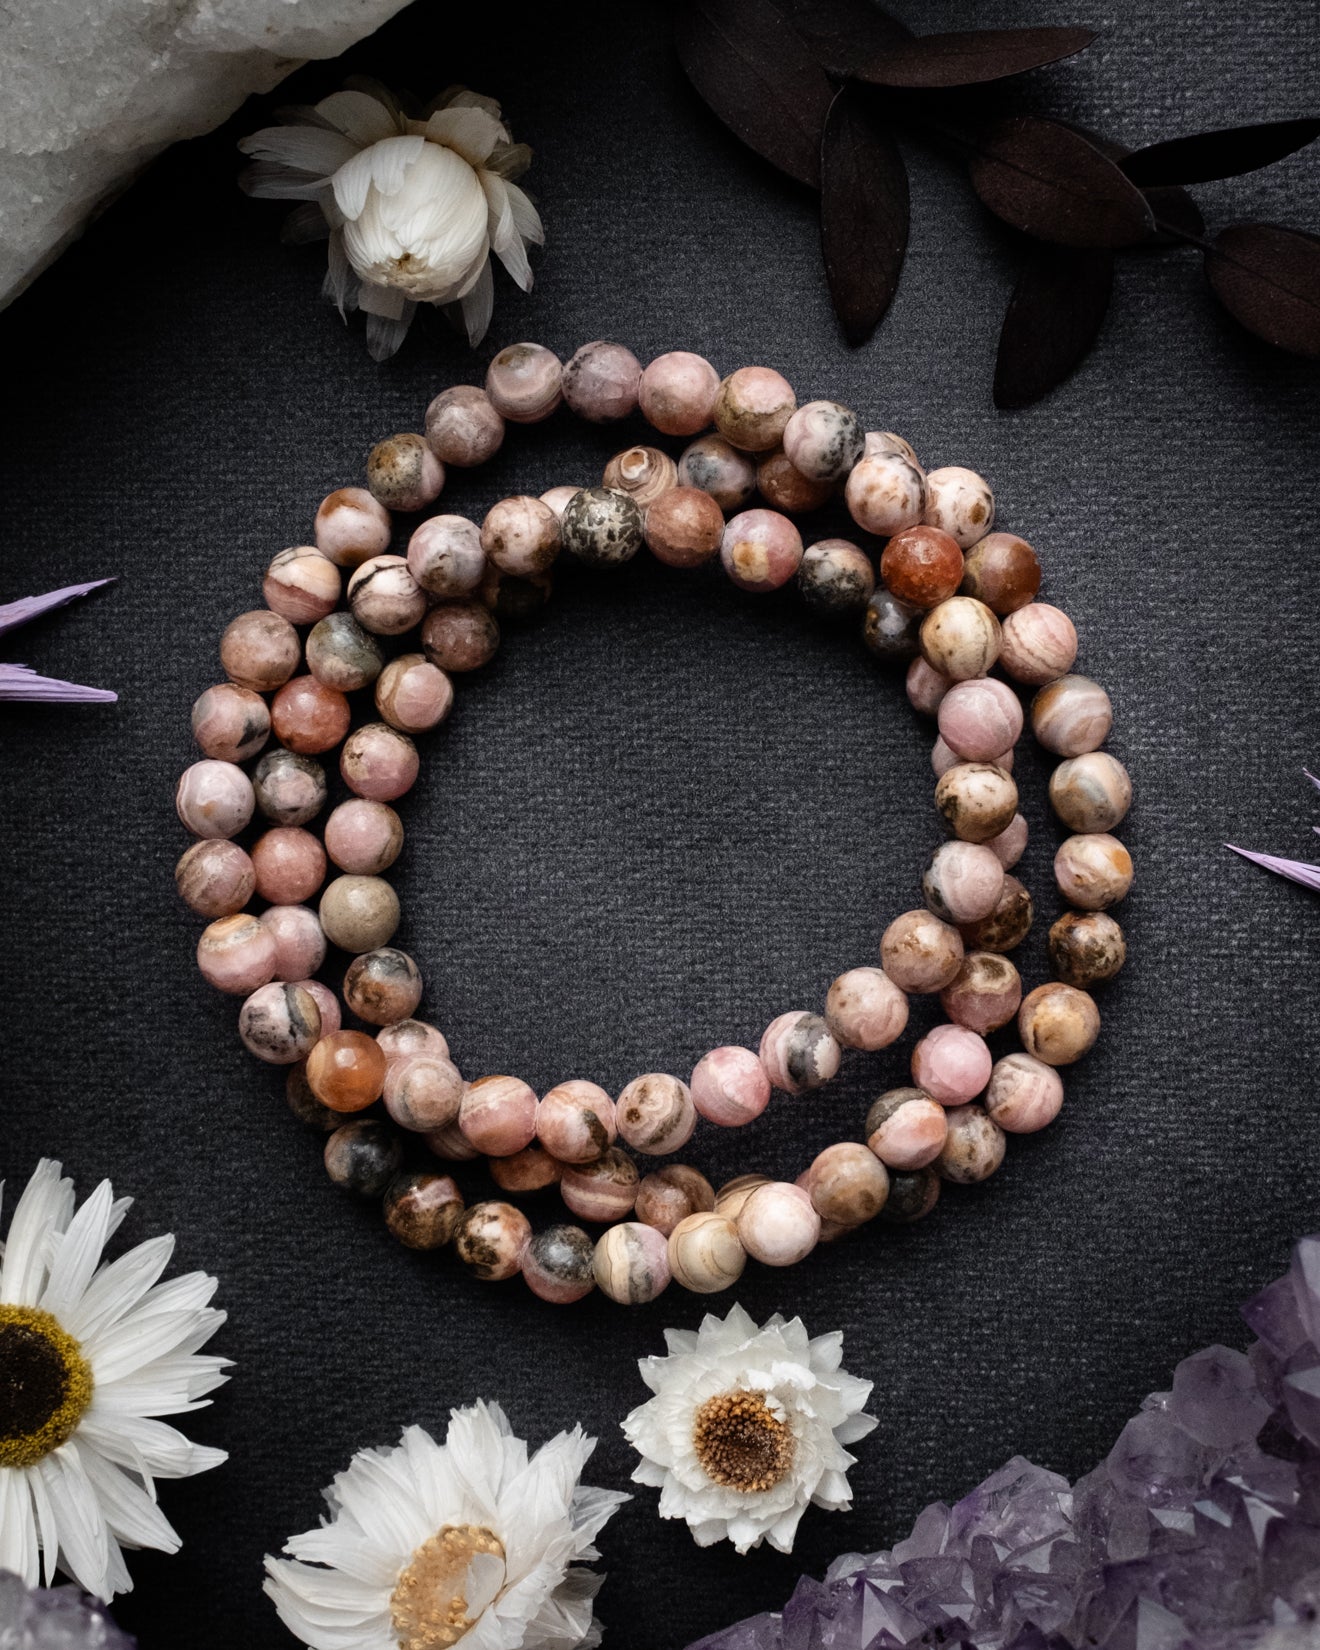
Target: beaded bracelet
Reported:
point(953, 600)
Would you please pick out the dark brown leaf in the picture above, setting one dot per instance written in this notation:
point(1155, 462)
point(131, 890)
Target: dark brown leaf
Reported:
point(1052, 321)
point(757, 74)
point(1224, 154)
point(843, 34)
point(1268, 278)
point(863, 215)
point(943, 61)
point(1175, 208)
point(1050, 182)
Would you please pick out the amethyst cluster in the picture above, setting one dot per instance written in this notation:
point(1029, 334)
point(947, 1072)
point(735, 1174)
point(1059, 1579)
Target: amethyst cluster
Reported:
point(54, 1618)
point(1199, 1531)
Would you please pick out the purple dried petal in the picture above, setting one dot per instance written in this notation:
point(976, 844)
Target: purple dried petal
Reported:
point(21, 682)
point(13, 614)
point(1313, 779)
point(1296, 870)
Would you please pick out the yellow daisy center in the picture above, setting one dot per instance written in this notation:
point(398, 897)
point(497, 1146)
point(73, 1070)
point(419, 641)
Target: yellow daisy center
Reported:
point(428, 1607)
point(741, 1443)
point(45, 1385)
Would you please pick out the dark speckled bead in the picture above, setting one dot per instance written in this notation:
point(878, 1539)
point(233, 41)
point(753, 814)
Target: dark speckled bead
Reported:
point(836, 577)
point(423, 1210)
point(799, 1052)
point(362, 1157)
point(601, 527)
point(559, 1264)
point(342, 654)
point(290, 789)
point(280, 1023)
point(911, 1196)
point(491, 1238)
point(383, 986)
point(1086, 948)
point(891, 629)
point(1007, 925)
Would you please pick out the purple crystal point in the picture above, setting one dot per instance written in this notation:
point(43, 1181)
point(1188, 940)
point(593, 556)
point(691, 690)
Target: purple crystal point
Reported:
point(1156, 1461)
point(1274, 1316)
point(1304, 1275)
point(1215, 1398)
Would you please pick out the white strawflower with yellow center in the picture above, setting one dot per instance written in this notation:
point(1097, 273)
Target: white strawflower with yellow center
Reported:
point(747, 1428)
point(414, 207)
point(472, 1542)
point(90, 1353)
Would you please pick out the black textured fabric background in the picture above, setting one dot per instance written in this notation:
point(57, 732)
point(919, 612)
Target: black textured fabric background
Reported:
point(671, 811)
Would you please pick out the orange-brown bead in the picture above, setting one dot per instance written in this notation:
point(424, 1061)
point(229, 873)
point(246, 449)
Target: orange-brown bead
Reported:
point(922, 566)
point(346, 1070)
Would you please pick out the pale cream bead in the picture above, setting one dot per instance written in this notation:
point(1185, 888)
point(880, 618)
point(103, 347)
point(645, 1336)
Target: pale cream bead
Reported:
point(960, 502)
point(778, 1225)
point(1093, 871)
point(960, 638)
point(1091, 792)
point(731, 1197)
point(644, 472)
point(706, 1253)
point(632, 1263)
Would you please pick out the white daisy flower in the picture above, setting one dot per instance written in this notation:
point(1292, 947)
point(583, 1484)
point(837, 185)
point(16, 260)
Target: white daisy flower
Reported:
point(89, 1354)
point(747, 1427)
point(414, 208)
point(470, 1541)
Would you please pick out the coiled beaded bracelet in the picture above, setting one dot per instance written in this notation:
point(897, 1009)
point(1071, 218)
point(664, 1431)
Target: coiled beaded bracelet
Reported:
point(953, 599)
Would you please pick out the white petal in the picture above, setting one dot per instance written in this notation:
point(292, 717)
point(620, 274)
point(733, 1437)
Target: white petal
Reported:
point(18, 1527)
point(84, 1539)
point(352, 184)
point(477, 305)
point(359, 116)
point(266, 180)
point(310, 149)
point(78, 1253)
point(118, 1287)
point(386, 334)
point(471, 132)
point(130, 1513)
point(526, 219)
point(44, 1208)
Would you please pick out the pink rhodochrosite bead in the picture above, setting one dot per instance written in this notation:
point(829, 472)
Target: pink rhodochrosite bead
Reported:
point(378, 762)
point(986, 994)
point(309, 717)
point(214, 799)
point(684, 527)
point(761, 550)
point(405, 1037)
point(280, 1024)
point(384, 596)
point(525, 383)
point(351, 527)
point(951, 1064)
point(1038, 645)
point(328, 1003)
point(925, 687)
point(1011, 843)
point(290, 866)
point(230, 723)
point(672, 1195)
point(412, 694)
point(403, 473)
point(962, 882)
point(980, 719)
point(823, 440)
point(847, 1183)
point(462, 427)
point(865, 1009)
point(905, 1129)
point(920, 952)
point(730, 1086)
point(752, 408)
point(576, 1122)
point(677, 393)
point(885, 441)
point(445, 556)
point(632, 1263)
point(779, 1225)
point(784, 488)
point(460, 636)
point(530, 1170)
point(655, 1114)
point(942, 758)
point(498, 1115)
point(1024, 1094)
point(714, 466)
point(799, 1052)
point(520, 535)
point(299, 942)
point(260, 650)
point(215, 878)
point(602, 1191)
point(302, 584)
point(237, 954)
point(558, 497)
point(363, 837)
point(973, 1149)
point(885, 494)
point(451, 1144)
point(960, 502)
point(644, 473)
point(422, 1091)
point(1071, 716)
point(601, 382)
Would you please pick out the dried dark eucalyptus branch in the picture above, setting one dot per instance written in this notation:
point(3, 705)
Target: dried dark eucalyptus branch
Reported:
point(793, 80)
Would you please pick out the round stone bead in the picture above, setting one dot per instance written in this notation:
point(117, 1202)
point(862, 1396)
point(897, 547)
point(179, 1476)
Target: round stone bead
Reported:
point(509, 596)
point(920, 953)
point(799, 1052)
point(413, 695)
point(601, 1191)
point(734, 1193)
point(498, 1115)
point(644, 473)
point(363, 837)
point(451, 1144)
point(1071, 716)
point(752, 408)
point(684, 527)
point(706, 1254)
point(959, 501)
point(787, 489)
point(378, 762)
point(214, 800)
point(423, 1210)
point(1086, 948)
point(525, 383)
point(632, 1263)
point(777, 1225)
point(492, 1237)
point(885, 494)
point(601, 382)
point(462, 427)
point(230, 723)
point(309, 717)
point(824, 440)
point(835, 578)
point(215, 878)
point(279, 1023)
point(986, 994)
point(655, 1114)
point(885, 441)
point(383, 986)
point(1024, 1094)
point(346, 1071)
point(1002, 571)
point(890, 628)
point(236, 954)
point(576, 1122)
point(359, 913)
point(530, 1170)
point(460, 636)
point(1007, 925)
point(952, 1064)
point(677, 393)
point(384, 596)
point(404, 1037)
point(423, 1092)
point(301, 585)
point(922, 566)
point(520, 535)
point(326, 1001)
point(260, 650)
point(1093, 871)
point(713, 466)
point(973, 1148)
point(299, 944)
point(730, 1086)
point(761, 550)
point(289, 789)
point(342, 655)
point(848, 1184)
point(1058, 1023)
point(1091, 792)
point(865, 1009)
point(962, 882)
point(351, 527)
point(980, 720)
point(671, 1195)
point(911, 1196)
point(559, 1264)
point(602, 527)
point(403, 473)
point(445, 557)
point(905, 1129)
point(1038, 645)
point(960, 638)
point(977, 799)
point(1010, 845)
point(363, 1157)
point(303, 1103)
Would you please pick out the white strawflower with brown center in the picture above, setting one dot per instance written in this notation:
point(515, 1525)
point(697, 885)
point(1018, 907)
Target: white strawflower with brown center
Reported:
point(414, 207)
point(747, 1428)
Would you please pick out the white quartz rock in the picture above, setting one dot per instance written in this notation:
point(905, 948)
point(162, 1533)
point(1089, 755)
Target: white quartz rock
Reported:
point(91, 90)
